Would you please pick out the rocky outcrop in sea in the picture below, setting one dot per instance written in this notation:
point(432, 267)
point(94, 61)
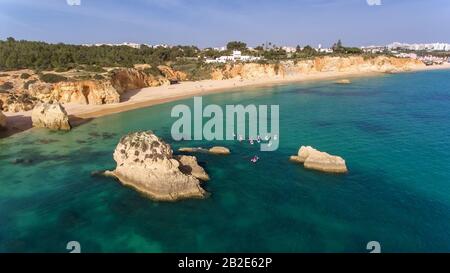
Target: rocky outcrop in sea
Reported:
point(319, 161)
point(51, 116)
point(146, 163)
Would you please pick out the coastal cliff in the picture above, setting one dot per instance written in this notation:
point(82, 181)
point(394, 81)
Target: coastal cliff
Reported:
point(107, 88)
point(25, 93)
point(357, 64)
point(382, 64)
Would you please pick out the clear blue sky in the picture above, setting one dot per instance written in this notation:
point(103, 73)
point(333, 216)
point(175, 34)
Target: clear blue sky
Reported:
point(214, 22)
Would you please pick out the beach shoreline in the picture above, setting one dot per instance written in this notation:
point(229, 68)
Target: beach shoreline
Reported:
point(150, 96)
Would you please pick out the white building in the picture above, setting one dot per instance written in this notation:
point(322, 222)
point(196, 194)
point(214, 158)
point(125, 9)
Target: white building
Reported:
point(373, 49)
point(416, 47)
point(236, 56)
point(133, 45)
point(406, 55)
point(222, 48)
point(289, 49)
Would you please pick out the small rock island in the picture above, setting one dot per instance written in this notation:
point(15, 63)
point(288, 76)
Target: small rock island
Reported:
point(319, 161)
point(51, 116)
point(146, 163)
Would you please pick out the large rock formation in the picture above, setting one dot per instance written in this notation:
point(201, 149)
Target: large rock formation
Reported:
point(85, 92)
point(146, 163)
point(41, 90)
point(172, 75)
point(129, 79)
point(12, 102)
point(320, 161)
point(2, 120)
point(51, 116)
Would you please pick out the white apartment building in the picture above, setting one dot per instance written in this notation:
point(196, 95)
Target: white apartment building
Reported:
point(416, 47)
point(406, 55)
point(289, 49)
point(133, 45)
point(373, 49)
point(236, 56)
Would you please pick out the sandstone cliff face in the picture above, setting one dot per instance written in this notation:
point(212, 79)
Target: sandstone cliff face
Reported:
point(319, 64)
point(354, 64)
point(104, 91)
point(12, 102)
point(146, 163)
point(85, 92)
point(51, 116)
point(25, 93)
point(171, 74)
point(41, 90)
point(248, 71)
point(129, 79)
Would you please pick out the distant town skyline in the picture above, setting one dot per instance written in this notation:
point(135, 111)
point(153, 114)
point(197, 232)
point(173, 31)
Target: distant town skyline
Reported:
point(213, 23)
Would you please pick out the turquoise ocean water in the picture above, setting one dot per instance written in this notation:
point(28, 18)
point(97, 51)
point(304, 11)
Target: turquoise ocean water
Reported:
point(393, 131)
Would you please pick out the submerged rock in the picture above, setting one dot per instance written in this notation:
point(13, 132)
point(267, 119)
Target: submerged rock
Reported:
point(2, 120)
point(343, 81)
point(193, 150)
point(146, 163)
point(218, 150)
point(51, 116)
point(22, 161)
point(320, 161)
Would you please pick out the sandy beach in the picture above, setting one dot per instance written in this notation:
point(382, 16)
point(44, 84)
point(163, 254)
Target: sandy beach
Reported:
point(134, 99)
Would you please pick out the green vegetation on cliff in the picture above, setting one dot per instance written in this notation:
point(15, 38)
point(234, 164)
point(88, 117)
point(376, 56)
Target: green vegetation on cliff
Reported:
point(43, 56)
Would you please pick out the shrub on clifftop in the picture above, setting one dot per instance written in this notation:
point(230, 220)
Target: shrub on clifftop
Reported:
point(25, 76)
point(52, 78)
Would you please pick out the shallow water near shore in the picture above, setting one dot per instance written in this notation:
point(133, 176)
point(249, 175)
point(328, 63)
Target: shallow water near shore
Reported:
point(393, 131)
